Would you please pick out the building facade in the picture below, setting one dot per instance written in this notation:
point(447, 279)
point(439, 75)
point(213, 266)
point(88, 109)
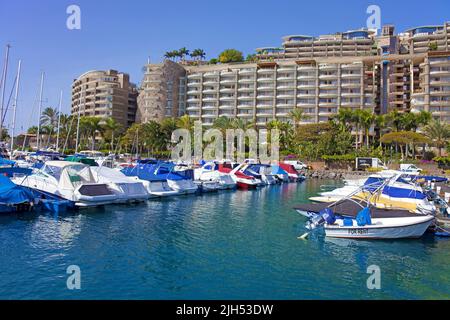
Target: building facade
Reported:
point(105, 94)
point(160, 92)
point(319, 75)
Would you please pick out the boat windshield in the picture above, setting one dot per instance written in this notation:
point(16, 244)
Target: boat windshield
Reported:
point(79, 173)
point(52, 171)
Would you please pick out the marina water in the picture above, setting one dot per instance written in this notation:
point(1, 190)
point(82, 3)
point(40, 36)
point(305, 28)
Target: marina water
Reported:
point(229, 245)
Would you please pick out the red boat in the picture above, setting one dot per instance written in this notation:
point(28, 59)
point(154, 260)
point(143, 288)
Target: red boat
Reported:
point(242, 180)
point(289, 168)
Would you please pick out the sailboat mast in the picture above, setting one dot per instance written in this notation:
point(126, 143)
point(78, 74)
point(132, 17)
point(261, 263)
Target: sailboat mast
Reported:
point(2, 100)
point(39, 112)
point(78, 120)
point(59, 120)
point(15, 108)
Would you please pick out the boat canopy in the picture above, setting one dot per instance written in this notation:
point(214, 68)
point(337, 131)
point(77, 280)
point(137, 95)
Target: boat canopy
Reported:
point(6, 162)
point(68, 174)
point(88, 161)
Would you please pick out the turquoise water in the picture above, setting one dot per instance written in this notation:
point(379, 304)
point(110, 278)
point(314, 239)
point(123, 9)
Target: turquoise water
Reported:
point(232, 245)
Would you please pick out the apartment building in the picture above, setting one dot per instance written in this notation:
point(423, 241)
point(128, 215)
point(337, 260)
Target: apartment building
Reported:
point(266, 91)
point(433, 92)
point(160, 92)
point(105, 94)
point(346, 44)
point(320, 75)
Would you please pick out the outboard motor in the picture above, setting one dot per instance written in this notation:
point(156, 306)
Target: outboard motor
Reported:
point(325, 216)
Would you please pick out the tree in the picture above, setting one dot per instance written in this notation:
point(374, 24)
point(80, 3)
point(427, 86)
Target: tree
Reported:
point(404, 138)
point(231, 55)
point(49, 117)
point(251, 58)
point(213, 61)
point(297, 116)
point(223, 123)
point(367, 120)
point(185, 122)
point(183, 52)
point(169, 55)
point(198, 54)
point(111, 127)
point(438, 133)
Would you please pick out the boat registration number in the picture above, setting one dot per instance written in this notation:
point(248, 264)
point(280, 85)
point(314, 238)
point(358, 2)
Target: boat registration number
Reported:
point(358, 231)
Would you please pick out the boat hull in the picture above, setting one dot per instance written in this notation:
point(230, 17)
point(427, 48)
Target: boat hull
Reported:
point(382, 229)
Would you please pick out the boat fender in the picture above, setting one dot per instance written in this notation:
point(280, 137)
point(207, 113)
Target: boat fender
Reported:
point(363, 218)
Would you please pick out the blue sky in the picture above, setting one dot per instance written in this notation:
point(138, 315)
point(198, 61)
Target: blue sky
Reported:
point(122, 34)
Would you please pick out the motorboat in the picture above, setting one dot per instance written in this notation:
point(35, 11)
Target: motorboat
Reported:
point(161, 179)
point(14, 198)
point(280, 173)
point(125, 188)
point(157, 186)
point(242, 180)
point(391, 193)
point(68, 180)
point(262, 172)
point(293, 174)
point(358, 220)
point(209, 172)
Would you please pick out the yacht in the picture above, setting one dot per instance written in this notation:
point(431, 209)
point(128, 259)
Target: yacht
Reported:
point(68, 180)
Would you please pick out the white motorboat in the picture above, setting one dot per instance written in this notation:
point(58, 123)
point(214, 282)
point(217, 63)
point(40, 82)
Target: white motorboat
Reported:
point(125, 188)
point(381, 228)
point(354, 220)
point(69, 180)
point(242, 180)
point(209, 173)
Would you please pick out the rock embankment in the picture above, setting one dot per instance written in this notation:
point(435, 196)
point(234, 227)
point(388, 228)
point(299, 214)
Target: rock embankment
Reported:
point(335, 175)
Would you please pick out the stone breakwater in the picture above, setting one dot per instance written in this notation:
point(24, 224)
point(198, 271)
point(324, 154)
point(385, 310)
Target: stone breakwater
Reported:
point(335, 175)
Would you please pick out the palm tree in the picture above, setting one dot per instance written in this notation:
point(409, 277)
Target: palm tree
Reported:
point(367, 119)
point(439, 133)
point(297, 116)
point(169, 55)
point(49, 120)
point(223, 123)
point(183, 52)
point(344, 118)
point(112, 127)
point(185, 122)
point(198, 54)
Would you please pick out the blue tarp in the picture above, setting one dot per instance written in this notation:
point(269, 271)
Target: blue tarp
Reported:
point(11, 193)
point(363, 218)
point(6, 162)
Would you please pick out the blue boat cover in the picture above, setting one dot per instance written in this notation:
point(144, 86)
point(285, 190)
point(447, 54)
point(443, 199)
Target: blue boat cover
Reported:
point(395, 192)
point(153, 172)
point(328, 215)
point(363, 218)
point(373, 183)
point(278, 170)
point(11, 193)
point(433, 178)
point(6, 162)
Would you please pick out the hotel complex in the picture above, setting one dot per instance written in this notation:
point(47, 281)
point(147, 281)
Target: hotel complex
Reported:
point(357, 69)
point(105, 94)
